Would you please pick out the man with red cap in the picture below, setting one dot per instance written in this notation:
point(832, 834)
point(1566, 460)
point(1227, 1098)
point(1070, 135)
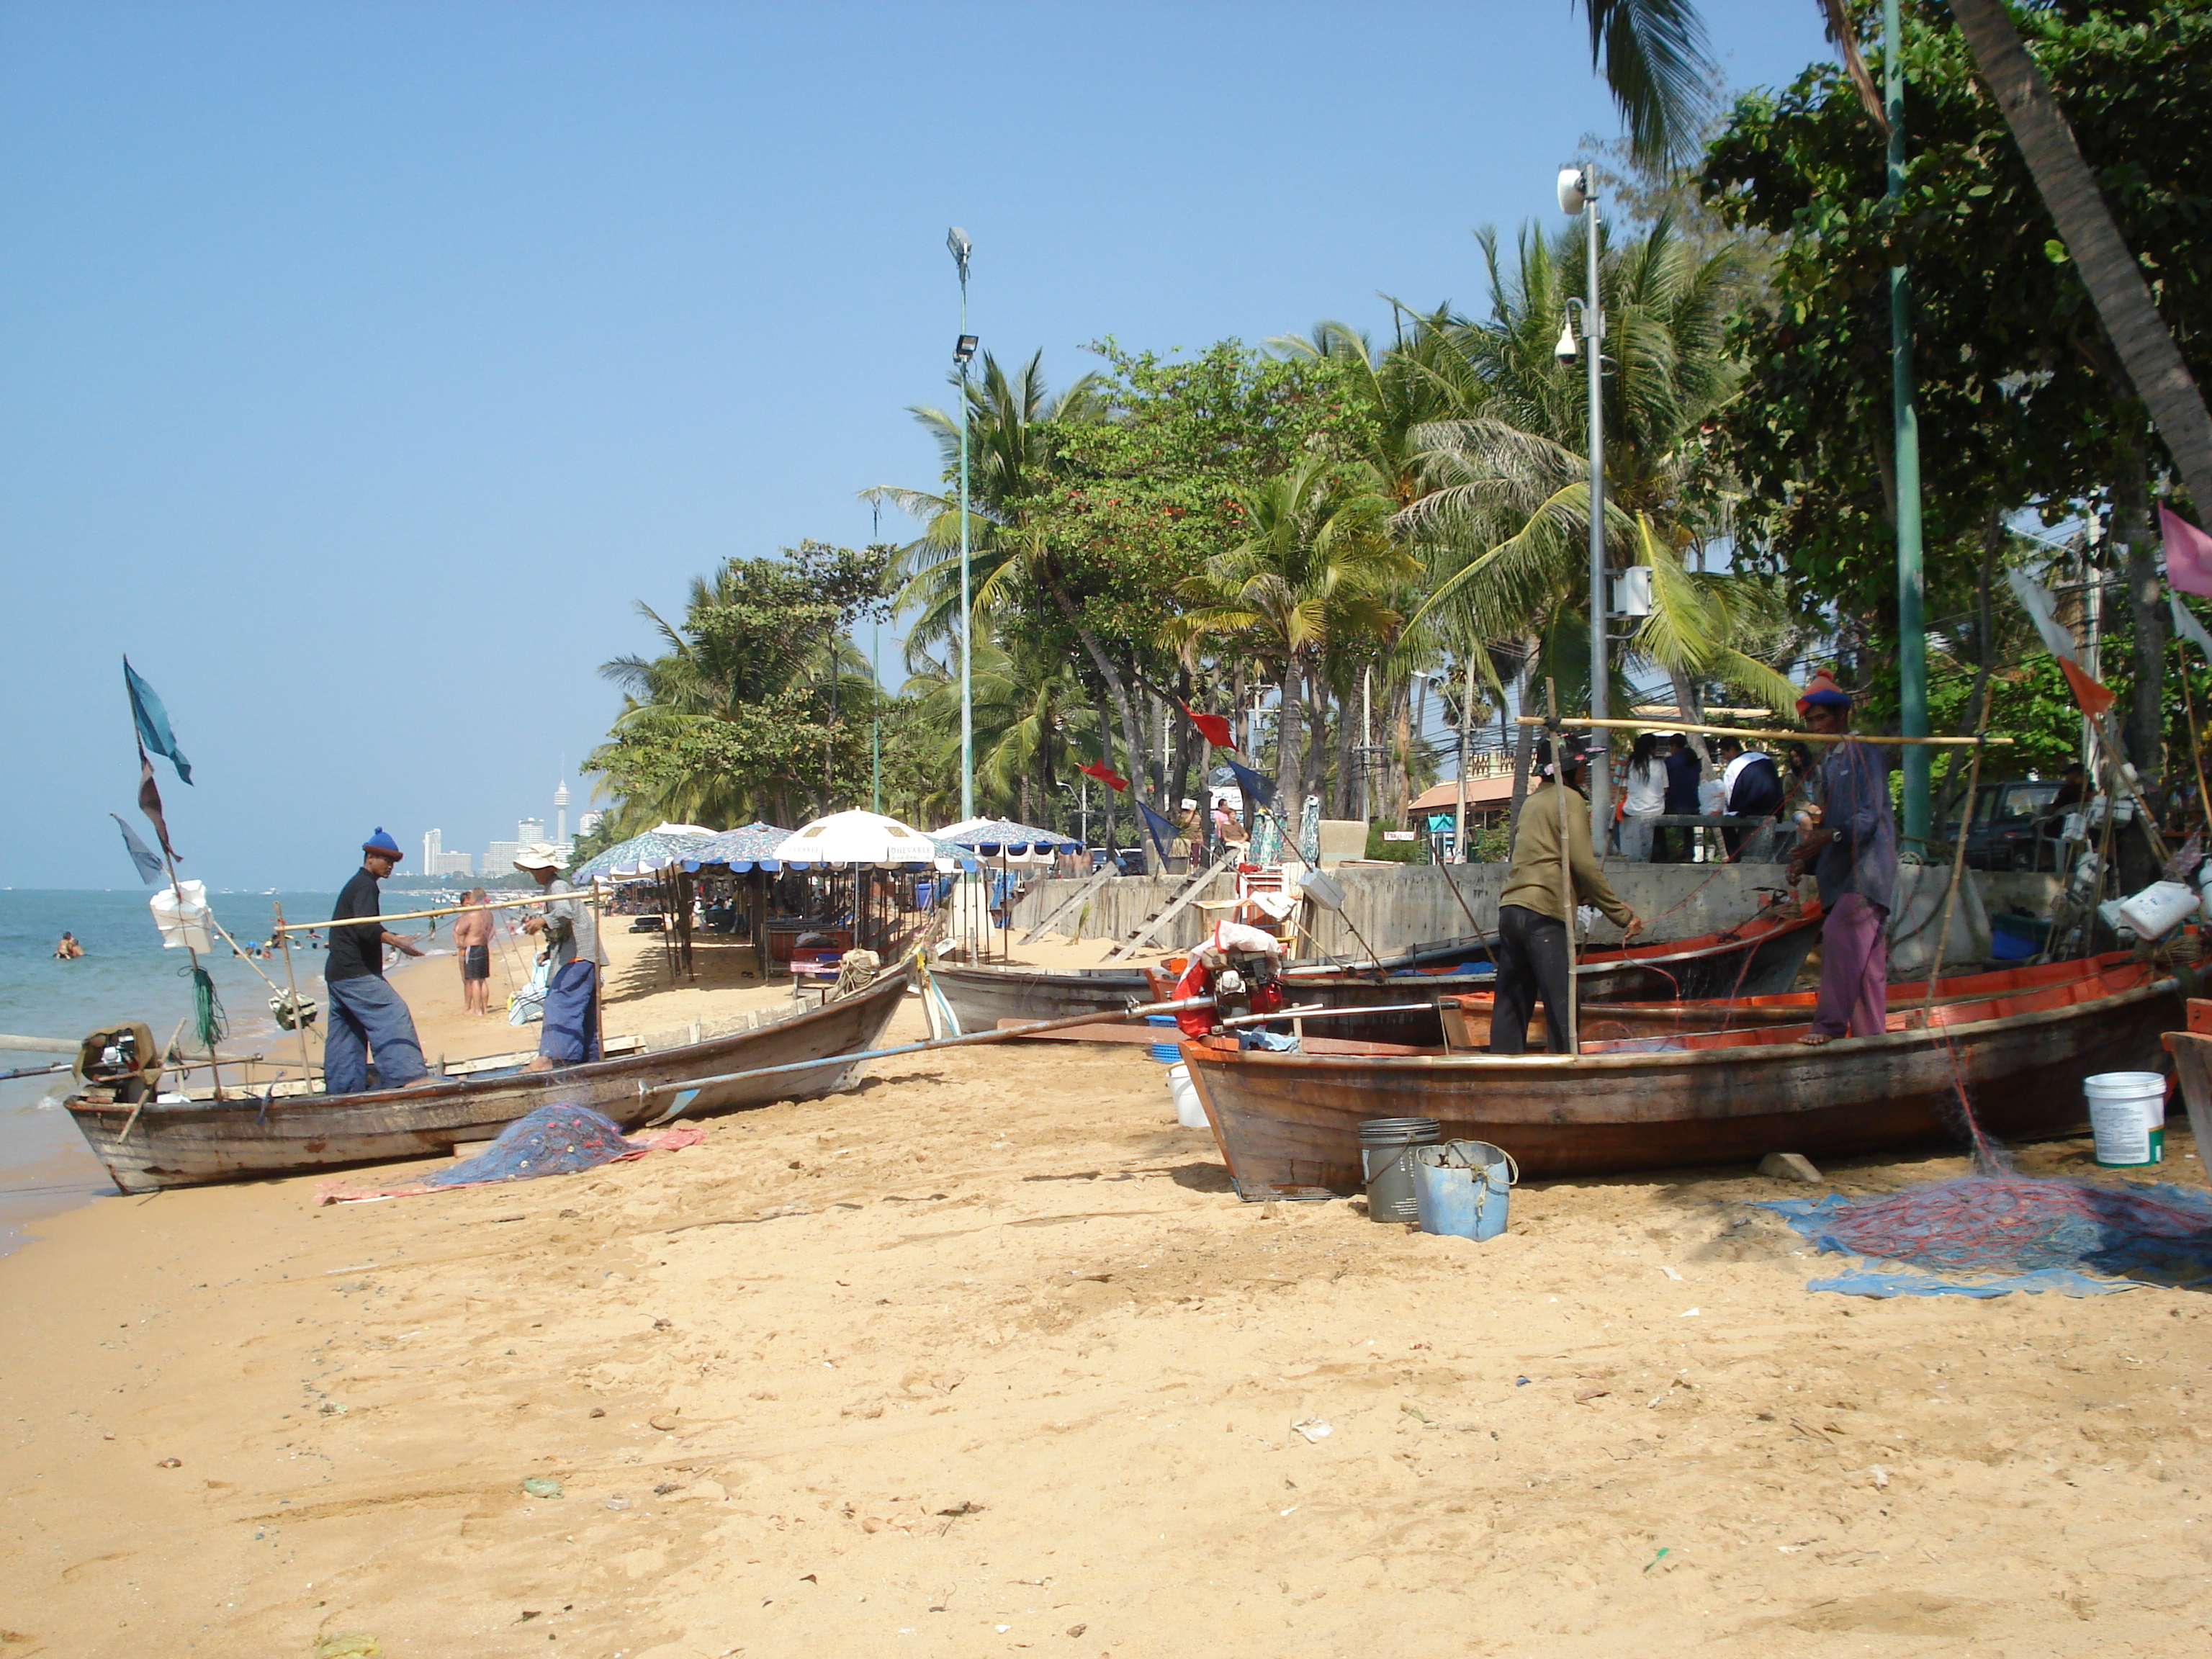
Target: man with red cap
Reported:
point(368, 1017)
point(1852, 853)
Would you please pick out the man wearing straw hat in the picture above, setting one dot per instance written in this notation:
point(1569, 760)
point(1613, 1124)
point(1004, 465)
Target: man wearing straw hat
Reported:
point(570, 1034)
point(1852, 849)
point(368, 1017)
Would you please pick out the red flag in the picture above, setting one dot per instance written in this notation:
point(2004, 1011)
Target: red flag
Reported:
point(150, 803)
point(2188, 555)
point(1214, 728)
point(1105, 774)
point(2093, 697)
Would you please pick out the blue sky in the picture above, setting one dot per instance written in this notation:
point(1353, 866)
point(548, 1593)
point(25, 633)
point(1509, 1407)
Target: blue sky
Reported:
point(361, 364)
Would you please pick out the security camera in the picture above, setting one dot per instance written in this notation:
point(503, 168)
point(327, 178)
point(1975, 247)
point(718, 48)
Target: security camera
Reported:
point(1575, 192)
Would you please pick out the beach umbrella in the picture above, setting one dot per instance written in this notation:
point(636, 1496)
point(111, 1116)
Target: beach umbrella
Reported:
point(642, 854)
point(749, 847)
point(1004, 838)
point(856, 838)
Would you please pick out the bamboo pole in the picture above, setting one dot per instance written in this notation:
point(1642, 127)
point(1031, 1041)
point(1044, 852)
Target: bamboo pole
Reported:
point(687, 1089)
point(291, 980)
point(1579, 724)
point(590, 896)
point(1566, 864)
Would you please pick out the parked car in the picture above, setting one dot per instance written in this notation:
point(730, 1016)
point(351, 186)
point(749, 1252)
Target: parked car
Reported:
point(2013, 826)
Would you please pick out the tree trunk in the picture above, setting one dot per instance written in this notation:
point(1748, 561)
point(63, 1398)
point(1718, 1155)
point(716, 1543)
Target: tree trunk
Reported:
point(1399, 780)
point(1524, 745)
point(1106, 793)
point(1116, 687)
point(2107, 269)
point(2145, 730)
point(1290, 777)
point(1351, 734)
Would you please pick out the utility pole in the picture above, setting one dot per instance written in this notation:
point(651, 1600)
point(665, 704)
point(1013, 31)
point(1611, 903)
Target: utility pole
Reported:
point(956, 239)
point(1911, 633)
point(1578, 194)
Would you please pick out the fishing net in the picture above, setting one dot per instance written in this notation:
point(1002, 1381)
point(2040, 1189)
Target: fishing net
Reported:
point(2062, 1235)
point(208, 1023)
point(557, 1139)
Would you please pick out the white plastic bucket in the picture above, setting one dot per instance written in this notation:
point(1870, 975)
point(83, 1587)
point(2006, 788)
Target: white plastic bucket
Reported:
point(1188, 1112)
point(2158, 908)
point(2127, 1115)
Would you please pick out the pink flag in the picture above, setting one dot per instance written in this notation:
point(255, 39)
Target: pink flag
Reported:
point(2188, 555)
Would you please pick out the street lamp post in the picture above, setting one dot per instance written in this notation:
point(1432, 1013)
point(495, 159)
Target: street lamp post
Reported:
point(1576, 195)
point(956, 239)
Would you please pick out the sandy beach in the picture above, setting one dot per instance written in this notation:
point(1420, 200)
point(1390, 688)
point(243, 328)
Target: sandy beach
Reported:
point(985, 1356)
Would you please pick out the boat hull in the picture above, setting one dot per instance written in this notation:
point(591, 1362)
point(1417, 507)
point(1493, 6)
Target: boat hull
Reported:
point(1288, 1124)
point(202, 1142)
point(983, 996)
point(1764, 957)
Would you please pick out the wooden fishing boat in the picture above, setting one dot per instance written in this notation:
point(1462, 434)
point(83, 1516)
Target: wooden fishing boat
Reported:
point(1466, 1019)
point(148, 1144)
point(1289, 1124)
point(984, 996)
point(1760, 956)
point(2192, 1048)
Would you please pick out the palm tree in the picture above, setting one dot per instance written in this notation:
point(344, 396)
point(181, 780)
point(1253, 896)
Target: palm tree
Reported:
point(1654, 59)
point(1305, 590)
point(1008, 460)
point(1502, 525)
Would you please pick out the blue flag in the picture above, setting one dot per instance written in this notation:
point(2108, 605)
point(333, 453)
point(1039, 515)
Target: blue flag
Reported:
point(1260, 791)
point(149, 866)
point(1162, 831)
point(153, 722)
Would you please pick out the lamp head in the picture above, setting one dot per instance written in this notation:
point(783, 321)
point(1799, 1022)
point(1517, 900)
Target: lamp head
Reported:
point(1575, 191)
point(963, 348)
point(956, 240)
point(1567, 350)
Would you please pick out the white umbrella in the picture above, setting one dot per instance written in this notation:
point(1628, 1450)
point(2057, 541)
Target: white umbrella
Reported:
point(856, 838)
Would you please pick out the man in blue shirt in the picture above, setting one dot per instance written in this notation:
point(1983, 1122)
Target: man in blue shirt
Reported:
point(1684, 769)
point(1852, 853)
point(368, 1017)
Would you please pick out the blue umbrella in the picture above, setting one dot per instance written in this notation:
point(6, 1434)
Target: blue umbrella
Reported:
point(750, 846)
point(997, 835)
point(640, 856)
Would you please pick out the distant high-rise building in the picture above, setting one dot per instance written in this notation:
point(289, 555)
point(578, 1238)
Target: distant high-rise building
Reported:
point(436, 861)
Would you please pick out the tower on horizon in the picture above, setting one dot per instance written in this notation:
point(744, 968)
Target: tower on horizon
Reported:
point(561, 813)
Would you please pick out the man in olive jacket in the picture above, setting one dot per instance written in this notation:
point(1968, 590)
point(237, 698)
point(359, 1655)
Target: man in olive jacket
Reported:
point(1533, 959)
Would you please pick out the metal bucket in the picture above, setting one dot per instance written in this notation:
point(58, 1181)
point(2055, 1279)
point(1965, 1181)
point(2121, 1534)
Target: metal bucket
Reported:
point(1386, 1167)
point(1460, 1188)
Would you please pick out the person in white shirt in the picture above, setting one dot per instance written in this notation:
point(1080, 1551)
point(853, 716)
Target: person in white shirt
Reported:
point(570, 927)
point(1646, 798)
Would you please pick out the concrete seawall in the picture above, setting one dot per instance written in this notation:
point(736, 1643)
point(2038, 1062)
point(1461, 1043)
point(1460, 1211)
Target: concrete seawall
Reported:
point(1393, 908)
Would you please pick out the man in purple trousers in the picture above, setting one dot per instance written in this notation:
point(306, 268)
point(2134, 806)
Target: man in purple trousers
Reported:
point(1852, 851)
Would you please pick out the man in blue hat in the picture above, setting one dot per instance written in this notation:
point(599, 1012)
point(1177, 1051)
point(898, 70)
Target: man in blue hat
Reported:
point(368, 1017)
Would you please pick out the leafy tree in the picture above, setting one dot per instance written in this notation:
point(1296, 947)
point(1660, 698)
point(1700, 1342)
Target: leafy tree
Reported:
point(749, 708)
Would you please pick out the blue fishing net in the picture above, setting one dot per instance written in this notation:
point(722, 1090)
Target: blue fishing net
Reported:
point(557, 1139)
point(1989, 1234)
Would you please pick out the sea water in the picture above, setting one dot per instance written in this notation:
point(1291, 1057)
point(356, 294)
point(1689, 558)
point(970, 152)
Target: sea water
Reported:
point(126, 975)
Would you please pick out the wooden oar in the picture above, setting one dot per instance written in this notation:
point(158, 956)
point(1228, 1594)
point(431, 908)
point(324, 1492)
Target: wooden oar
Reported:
point(689, 1090)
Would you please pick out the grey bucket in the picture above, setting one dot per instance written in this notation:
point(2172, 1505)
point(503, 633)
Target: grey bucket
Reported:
point(1384, 1144)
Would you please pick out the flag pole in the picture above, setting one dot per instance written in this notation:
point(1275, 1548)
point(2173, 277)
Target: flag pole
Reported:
point(292, 984)
point(176, 887)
